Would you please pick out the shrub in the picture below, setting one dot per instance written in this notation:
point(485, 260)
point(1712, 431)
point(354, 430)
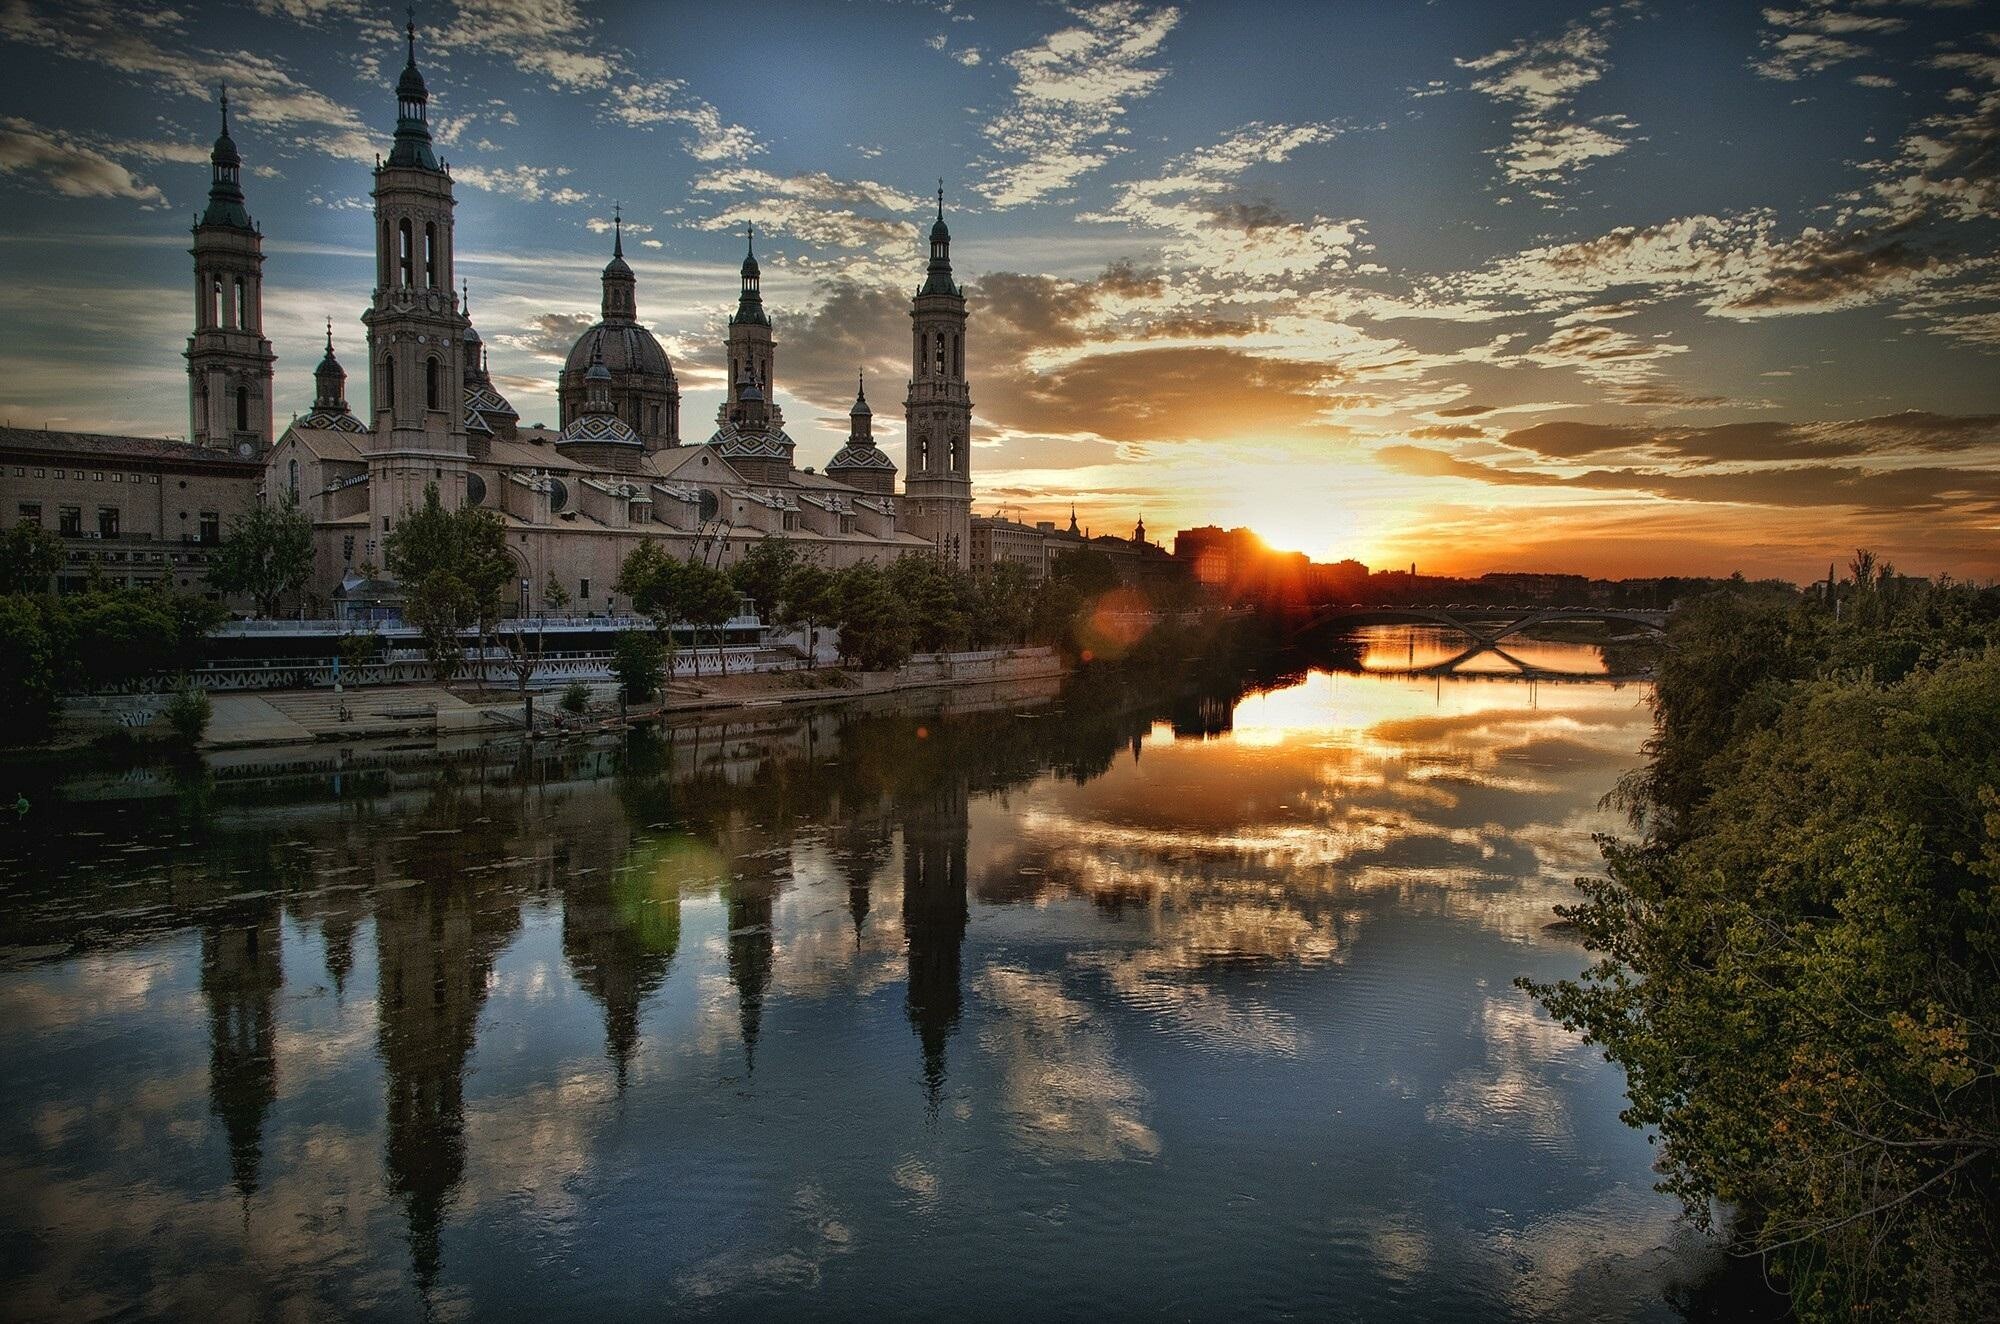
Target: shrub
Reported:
point(576, 698)
point(188, 713)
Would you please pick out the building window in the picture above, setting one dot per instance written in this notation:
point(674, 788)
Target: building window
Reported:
point(215, 302)
point(242, 409)
point(107, 521)
point(347, 550)
point(924, 453)
point(388, 383)
point(583, 588)
point(31, 513)
point(293, 478)
point(431, 384)
point(69, 521)
point(405, 255)
point(940, 354)
point(211, 527)
point(431, 254)
point(96, 475)
point(242, 304)
point(958, 356)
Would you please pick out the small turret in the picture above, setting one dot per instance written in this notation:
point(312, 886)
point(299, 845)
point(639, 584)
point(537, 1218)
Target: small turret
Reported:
point(225, 182)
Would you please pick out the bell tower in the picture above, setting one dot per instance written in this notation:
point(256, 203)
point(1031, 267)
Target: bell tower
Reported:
point(751, 348)
point(416, 329)
point(229, 360)
point(937, 475)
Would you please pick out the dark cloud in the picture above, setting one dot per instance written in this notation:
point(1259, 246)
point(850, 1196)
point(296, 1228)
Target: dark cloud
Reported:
point(1913, 432)
point(1448, 432)
point(1464, 411)
point(1832, 270)
point(855, 328)
point(550, 335)
point(1166, 394)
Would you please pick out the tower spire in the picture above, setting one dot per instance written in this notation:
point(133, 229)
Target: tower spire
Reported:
point(618, 229)
point(413, 132)
point(223, 89)
point(940, 214)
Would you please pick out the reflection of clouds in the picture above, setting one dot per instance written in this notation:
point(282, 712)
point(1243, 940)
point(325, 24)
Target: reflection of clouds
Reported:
point(810, 1233)
point(1592, 1261)
point(1511, 1093)
point(1162, 977)
point(1059, 1084)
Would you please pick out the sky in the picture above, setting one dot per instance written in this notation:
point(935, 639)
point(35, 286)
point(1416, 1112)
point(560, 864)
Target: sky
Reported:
point(1641, 289)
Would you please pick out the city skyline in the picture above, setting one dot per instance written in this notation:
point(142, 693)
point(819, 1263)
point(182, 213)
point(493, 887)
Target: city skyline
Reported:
point(1616, 291)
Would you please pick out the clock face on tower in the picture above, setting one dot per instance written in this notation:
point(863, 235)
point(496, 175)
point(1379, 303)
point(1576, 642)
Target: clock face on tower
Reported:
point(244, 448)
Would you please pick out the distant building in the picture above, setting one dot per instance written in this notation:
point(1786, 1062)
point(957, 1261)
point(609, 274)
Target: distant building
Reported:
point(1040, 546)
point(136, 510)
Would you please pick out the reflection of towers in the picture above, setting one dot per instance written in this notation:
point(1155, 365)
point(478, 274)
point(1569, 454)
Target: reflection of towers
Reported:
point(435, 945)
point(241, 972)
point(620, 941)
point(934, 834)
point(749, 906)
point(862, 850)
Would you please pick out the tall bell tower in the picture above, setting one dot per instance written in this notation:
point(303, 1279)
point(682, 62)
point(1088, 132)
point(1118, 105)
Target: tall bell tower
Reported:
point(416, 329)
point(937, 475)
point(229, 360)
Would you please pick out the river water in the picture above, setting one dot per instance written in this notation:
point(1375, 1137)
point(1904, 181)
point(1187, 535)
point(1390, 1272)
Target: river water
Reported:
point(999, 1004)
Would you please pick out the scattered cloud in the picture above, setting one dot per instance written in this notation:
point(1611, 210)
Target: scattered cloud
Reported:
point(1071, 90)
point(1541, 79)
point(66, 165)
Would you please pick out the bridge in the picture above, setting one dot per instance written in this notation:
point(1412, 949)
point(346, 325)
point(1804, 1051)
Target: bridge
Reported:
point(1522, 670)
point(1486, 626)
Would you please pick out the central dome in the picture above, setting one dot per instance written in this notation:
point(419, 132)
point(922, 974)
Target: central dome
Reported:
point(628, 347)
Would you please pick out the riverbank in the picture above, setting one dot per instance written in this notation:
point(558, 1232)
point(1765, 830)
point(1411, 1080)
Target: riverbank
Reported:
point(249, 721)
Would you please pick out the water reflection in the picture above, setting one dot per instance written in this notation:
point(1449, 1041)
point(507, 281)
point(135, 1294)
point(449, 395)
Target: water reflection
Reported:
point(493, 1030)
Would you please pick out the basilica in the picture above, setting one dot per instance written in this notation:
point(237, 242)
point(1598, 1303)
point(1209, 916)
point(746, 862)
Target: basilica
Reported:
point(575, 499)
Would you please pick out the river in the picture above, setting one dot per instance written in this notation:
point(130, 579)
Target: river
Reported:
point(1003, 1005)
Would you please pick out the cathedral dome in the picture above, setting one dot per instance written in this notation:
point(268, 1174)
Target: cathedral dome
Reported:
point(627, 348)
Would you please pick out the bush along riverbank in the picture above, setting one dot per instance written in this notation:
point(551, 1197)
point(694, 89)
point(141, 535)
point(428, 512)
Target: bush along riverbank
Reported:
point(1799, 952)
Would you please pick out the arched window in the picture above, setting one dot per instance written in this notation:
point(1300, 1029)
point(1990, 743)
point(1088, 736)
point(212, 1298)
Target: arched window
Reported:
point(431, 254)
point(242, 409)
point(215, 302)
point(940, 354)
point(293, 473)
point(923, 453)
point(243, 305)
point(388, 383)
point(958, 354)
point(951, 455)
point(405, 254)
point(431, 383)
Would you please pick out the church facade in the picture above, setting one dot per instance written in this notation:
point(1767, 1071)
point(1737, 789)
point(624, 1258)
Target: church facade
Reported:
point(575, 499)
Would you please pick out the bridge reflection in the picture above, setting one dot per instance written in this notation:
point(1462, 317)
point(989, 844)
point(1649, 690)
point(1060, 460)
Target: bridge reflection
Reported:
point(1428, 652)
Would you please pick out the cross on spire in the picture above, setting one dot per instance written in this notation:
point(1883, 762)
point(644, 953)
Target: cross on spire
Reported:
point(465, 298)
point(412, 31)
point(329, 335)
point(750, 238)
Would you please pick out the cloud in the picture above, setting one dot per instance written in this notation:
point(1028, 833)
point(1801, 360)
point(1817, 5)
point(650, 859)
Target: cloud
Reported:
point(529, 183)
point(646, 104)
point(68, 166)
point(1541, 79)
point(1218, 233)
point(1817, 36)
point(1070, 95)
point(550, 335)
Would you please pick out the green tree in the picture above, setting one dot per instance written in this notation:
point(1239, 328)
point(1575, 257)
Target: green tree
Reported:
point(939, 597)
point(268, 554)
point(30, 689)
point(761, 574)
point(30, 556)
point(1004, 598)
point(659, 587)
point(635, 660)
point(710, 602)
point(874, 621)
point(1797, 961)
point(113, 637)
point(453, 567)
point(806, 603)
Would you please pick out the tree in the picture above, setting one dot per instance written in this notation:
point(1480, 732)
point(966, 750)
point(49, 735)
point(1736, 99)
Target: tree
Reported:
point(635, 660)
point(806, 603)
point(29, 688)
point(760, 576)
point(1797, 961)
point(658, 586)
point(113, 637)
point(939, 599)
point(1004, 604)
point(453, 566)
point(30, 556)
point(268, 554)
point(710, 602)
point(875, 631)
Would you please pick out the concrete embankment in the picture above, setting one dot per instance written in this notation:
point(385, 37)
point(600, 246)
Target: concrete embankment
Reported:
point(301, 716)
